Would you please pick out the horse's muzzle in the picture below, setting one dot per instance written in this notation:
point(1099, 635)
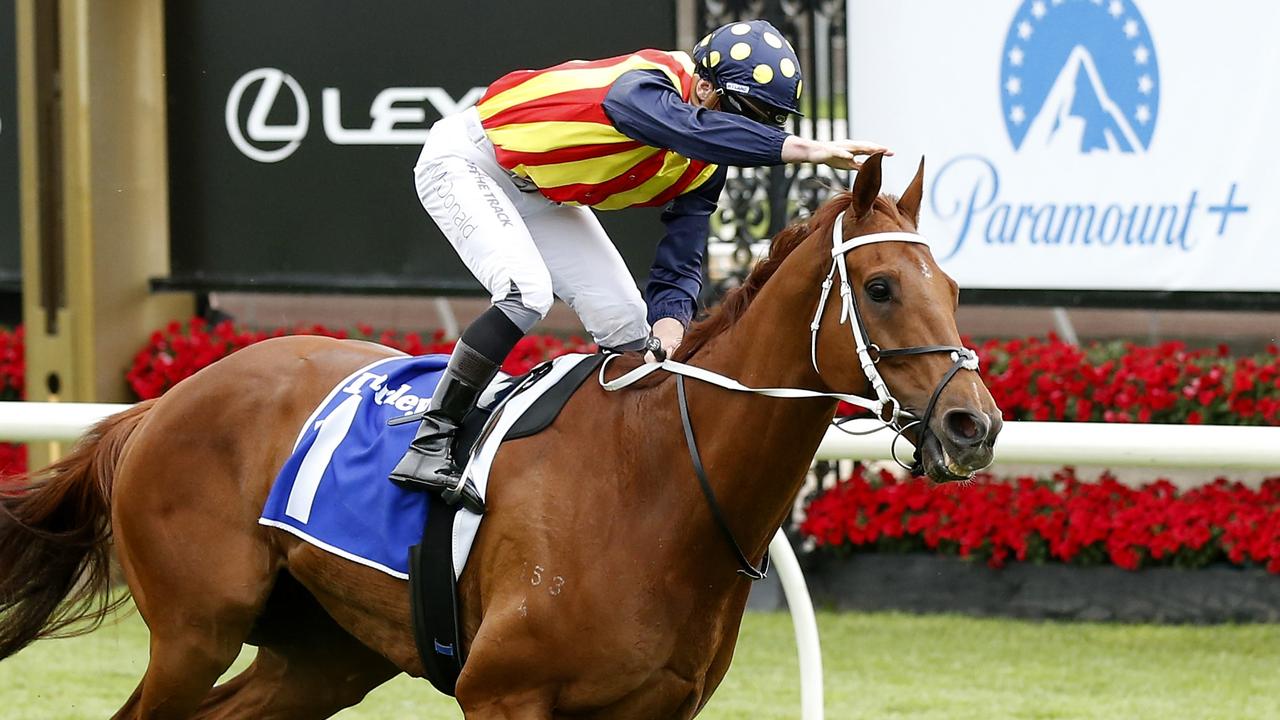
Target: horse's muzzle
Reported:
point(959, 444)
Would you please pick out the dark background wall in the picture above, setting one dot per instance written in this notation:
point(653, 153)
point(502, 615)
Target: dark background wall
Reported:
point(10, 260)
point(346, 217)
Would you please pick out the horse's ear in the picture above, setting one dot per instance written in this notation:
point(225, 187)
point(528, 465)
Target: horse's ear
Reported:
point(866, 187)
point(909, 203)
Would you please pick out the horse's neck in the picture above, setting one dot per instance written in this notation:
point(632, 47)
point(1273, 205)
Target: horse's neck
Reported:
point(758, 449)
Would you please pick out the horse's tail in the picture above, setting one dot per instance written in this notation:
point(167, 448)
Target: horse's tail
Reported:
point(55, 532)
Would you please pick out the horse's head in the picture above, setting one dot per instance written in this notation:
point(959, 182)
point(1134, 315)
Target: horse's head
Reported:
point(904, 302)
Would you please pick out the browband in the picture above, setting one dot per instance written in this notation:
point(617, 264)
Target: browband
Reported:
point(839, 248)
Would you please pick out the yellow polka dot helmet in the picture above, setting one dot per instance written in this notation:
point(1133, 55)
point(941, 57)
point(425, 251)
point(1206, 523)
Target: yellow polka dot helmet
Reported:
point(754, 70)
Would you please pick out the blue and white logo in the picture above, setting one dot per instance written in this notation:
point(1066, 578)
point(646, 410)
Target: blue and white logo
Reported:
point(1080, 76)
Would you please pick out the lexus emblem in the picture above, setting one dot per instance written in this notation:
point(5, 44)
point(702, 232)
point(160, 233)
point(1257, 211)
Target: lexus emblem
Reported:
point(256, 130)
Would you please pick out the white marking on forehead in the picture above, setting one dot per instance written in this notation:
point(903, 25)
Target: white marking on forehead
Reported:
point(924, 270)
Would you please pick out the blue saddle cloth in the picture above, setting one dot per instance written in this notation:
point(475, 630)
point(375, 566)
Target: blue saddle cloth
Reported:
point(333, 490)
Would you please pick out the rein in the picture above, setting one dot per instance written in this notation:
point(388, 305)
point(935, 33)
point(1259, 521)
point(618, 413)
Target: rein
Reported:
point(869, 355)
point(744, 565)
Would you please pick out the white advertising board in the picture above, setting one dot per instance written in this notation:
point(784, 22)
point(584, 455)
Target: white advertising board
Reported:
point(1081, 144)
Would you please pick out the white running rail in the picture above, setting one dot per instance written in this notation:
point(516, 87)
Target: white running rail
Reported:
point(1216, 447)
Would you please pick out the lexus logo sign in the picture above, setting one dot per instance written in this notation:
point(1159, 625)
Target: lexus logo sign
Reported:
point(257, 129)
point(389, 112)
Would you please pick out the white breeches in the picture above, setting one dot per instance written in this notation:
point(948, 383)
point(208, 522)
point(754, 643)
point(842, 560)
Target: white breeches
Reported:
point(520, 245)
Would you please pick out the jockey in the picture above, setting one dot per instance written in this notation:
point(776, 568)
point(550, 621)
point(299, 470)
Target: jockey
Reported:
point(513, 180)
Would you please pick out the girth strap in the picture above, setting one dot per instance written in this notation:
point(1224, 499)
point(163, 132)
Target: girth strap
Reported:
point(433, 598)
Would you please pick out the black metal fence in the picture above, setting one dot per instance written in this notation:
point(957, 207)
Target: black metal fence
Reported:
point(758, 202)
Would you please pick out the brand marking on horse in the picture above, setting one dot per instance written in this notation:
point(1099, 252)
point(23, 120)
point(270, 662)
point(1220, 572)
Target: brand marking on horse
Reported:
point(924, 270)
point(557, 585)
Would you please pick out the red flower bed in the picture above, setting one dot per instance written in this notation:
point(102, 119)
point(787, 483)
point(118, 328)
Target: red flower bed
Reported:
point(1064, 519)
point(179, 351)
point(13, 368)
point(1049, 379)
point(1031, 379)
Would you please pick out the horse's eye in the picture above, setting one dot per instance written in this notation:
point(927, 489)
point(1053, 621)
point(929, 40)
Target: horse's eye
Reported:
point(878, 291)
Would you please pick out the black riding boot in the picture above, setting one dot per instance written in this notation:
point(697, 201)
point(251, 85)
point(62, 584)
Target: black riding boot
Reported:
point(429, 463)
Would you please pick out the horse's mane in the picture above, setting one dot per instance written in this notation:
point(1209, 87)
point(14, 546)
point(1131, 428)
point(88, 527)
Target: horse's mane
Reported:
point(736, 301)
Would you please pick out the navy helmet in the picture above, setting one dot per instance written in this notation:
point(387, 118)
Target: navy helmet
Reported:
point(754, 70)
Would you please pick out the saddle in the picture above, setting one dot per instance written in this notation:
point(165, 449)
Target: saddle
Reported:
point(433, 586)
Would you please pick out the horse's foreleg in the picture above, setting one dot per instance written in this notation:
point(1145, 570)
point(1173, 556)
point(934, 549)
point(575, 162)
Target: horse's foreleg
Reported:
point(505, 676)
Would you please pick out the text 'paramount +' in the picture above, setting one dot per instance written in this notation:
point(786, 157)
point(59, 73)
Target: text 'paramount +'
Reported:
point(1079, 92)
point(966, 195)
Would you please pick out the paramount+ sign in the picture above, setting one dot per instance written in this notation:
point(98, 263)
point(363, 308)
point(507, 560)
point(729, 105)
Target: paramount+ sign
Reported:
point(291, 150)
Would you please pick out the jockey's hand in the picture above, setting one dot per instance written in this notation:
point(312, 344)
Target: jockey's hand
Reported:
point(839, 154)
point(669, 332)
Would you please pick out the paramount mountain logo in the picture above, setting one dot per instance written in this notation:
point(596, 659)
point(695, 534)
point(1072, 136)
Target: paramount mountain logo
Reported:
point(1079, 82)
point(1079, 76)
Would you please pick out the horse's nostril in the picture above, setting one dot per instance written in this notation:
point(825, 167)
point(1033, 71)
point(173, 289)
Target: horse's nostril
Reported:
point(964, 427)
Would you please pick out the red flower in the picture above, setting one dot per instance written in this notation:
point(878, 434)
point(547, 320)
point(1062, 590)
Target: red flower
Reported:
point(179, 351)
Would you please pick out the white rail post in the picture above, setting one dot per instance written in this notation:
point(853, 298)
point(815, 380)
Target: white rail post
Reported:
point(806, 626)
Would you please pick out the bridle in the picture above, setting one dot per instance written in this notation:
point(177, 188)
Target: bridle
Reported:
point(869, 355)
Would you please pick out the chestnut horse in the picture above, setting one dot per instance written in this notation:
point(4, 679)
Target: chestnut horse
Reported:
point(599, 585)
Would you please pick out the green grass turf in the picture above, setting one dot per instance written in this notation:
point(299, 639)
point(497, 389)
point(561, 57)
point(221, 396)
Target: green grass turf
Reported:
point(877, 666)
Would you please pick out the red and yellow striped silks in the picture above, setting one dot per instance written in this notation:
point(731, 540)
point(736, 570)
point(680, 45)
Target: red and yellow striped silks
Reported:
point(549, 126)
